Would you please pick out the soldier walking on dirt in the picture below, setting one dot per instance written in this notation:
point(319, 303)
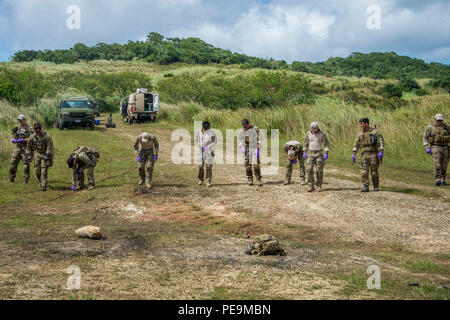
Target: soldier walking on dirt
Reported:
point(206, 140)
point(371, 142)
point(146, 149)
point(314, 140)
point(436, 140)
point(20, 137)
point(41, 145)
point(83, 158)
point(294, 150)
point(249, 142)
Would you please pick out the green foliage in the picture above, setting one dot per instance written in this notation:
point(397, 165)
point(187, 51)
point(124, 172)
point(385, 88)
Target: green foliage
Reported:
point(24, 87)
point(377, 65)
point(259, 90)
point(409, 84)
point(442, 82)
point(391, 91)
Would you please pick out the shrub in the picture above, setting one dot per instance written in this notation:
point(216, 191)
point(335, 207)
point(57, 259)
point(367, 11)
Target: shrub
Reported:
point(391, 91)
point(409, 84)
point(441, 82)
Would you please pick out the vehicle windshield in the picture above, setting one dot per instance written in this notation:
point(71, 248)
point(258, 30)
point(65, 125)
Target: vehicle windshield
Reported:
point(75, 104)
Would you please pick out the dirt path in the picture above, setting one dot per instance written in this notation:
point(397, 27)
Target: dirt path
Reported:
point(419, 224)
point(184, 241)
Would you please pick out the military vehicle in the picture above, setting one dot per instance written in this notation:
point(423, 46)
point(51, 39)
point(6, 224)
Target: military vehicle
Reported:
point(75, 112)
point(141, 106)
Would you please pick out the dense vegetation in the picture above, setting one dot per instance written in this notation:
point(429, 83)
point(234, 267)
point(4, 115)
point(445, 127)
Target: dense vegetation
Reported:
point(375, 65)
point(163, 51)
point(261, 89)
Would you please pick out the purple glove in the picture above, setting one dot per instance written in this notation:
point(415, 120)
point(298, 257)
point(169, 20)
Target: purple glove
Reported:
point(14, 141)
point(73, 188)
point(428, 150)
point(138, 158)
point(294, 161)
point(155, 158)
point(325, 157)
point(380, 155)
point(243, 149)
point(353, 158)
point(20, 140)
point(203, 149)
point(304, 155)
point(257, 153)
point(80, 171)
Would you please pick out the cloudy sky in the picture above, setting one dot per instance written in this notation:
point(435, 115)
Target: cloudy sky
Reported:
point(304, 30)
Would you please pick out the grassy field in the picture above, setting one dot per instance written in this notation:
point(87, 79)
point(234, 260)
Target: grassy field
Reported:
point(182, 241)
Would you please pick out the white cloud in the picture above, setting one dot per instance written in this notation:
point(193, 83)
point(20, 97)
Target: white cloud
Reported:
point(283, 29)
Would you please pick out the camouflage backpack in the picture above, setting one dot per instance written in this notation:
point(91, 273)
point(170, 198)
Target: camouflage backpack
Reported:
point(265, 245)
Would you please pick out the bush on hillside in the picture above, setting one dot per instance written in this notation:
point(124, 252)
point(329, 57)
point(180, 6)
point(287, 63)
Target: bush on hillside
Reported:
point(409, 84)
point(391, 91)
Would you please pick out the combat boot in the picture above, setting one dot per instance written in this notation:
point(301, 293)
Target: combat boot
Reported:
point(149, 185)
point(319, 189)
point(438, 183)
point(287, 182)
point(311, 189)
point(260, 183)
point(44, 188)
point(365, 188)
point(141, 182)
point(200, 182)
point(208, 184)
point(376, 189)
point(444, 183)
point(91, 187)
point(250, 181)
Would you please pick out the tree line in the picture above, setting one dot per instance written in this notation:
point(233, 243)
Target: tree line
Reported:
point(164, 51)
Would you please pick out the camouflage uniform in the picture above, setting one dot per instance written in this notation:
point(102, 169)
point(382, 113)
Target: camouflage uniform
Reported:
point(438, 137)
point(365, 141)
point(249, 139)
point(86, 159)
point(206, 141)
point(313, 147)
point(298, 148)
point(19, 153)
point(42, 147)
point(147, 151)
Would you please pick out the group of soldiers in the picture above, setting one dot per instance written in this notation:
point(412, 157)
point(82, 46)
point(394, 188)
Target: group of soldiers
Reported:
point(38, 145)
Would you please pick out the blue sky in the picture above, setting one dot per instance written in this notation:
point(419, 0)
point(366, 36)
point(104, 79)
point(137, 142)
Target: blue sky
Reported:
point(303, 30)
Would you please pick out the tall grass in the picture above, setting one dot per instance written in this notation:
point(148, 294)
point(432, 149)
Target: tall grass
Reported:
point(44, 113)
point(402, 128)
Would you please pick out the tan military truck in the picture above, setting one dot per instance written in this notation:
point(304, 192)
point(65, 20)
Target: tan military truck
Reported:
point(140, 107)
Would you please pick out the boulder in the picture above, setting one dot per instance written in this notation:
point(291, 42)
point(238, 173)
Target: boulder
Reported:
point(90, 232)
point(265, 245)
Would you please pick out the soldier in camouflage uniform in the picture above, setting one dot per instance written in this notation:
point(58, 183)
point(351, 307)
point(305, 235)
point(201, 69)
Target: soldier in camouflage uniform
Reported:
point(436, 140)
point(41, 145)
point(250, 144)
point(83, 158)
point(371, 142)
point(314, 140)
point(294, 149)
point(20, 138)
point(146, 148)
point(205, 140)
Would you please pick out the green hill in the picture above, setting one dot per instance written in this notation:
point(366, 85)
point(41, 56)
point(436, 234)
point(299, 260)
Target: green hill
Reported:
point(166, 51)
